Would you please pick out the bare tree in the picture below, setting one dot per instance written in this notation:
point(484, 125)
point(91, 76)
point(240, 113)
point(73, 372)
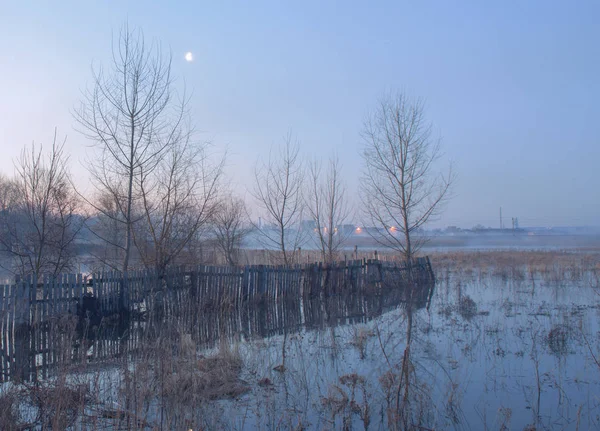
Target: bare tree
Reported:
point(400, 189)
point(8, 205)
point(134, 118)
point(40, 223)
point(328, 208)
point(8, 193)
point(178, 198)
point(278, 191)
point(229, 229)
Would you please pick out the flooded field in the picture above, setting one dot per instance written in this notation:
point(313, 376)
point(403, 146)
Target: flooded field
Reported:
point(495, 350)
point(505, 340)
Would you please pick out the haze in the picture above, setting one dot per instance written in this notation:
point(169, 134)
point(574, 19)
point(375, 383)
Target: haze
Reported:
point(511, 88)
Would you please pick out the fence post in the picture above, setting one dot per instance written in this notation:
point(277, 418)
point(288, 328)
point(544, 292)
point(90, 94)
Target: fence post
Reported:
point(431, 274)
point(23, 300)
point(22, 335)
point(123, 286)
point(262, 279)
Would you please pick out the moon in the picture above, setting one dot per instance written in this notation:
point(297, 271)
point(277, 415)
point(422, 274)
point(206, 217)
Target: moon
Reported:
point(189, 57)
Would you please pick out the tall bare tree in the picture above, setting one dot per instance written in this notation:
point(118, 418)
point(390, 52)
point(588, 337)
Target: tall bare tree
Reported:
point(400, 188)
point(39, 222)
point(278, 191)
point(134, 117)
point(229, 228)
point(328, 208)
point(178, 198)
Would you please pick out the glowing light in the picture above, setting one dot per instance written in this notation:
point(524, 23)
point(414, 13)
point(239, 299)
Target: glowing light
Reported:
point(358, 230)
point(189, 57)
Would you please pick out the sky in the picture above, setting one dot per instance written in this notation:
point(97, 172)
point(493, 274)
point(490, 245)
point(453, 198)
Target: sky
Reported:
point(511, 88)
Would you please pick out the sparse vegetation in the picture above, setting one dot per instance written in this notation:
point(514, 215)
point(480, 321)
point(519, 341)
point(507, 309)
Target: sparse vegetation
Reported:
point(360, 337)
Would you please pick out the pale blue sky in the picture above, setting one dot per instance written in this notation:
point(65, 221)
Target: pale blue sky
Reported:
point(512, 88)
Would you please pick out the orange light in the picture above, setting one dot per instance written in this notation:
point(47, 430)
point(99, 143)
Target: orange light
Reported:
point(358, 230)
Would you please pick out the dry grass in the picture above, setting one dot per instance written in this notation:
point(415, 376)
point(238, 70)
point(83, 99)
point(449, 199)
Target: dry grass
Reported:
point(51, 404)
point(164, 387)
point(360, 337)
point(169, 382)
point(10, 419)
point(348, 398)
point(517, 264)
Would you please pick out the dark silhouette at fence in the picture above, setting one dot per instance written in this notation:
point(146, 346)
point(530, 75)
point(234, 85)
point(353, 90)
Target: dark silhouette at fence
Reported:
point(206, 304)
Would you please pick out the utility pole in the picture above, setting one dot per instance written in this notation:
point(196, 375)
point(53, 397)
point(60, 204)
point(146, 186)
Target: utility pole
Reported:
point(501, 218)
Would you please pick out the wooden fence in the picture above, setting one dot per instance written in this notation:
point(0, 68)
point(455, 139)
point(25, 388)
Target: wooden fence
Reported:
point(31, 301)
point(36, 331)
point(36, 351)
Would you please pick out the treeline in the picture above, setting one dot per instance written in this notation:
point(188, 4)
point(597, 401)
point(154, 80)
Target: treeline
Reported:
point(159, 192)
